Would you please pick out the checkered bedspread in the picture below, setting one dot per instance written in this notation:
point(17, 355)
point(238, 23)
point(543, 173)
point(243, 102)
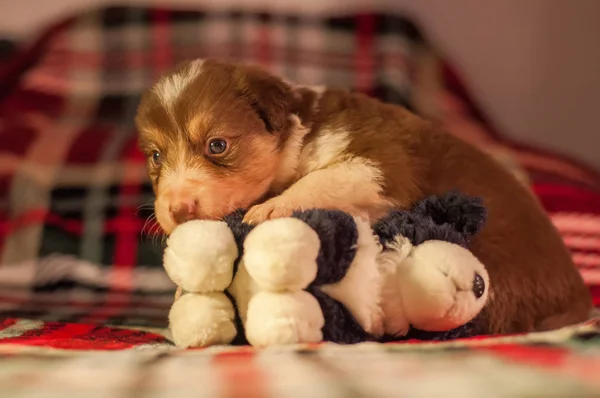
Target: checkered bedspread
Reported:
point(79, 250)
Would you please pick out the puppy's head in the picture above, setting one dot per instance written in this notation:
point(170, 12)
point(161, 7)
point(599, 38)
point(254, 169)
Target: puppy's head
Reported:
point(213, 134)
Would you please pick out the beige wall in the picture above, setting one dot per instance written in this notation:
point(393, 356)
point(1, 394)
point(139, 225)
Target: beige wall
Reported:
point(533, 64)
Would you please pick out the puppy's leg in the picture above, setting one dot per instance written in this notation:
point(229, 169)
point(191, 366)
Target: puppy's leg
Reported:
point(353, 186)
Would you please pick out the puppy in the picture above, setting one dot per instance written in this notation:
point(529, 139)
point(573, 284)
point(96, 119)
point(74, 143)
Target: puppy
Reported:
point(221, 136)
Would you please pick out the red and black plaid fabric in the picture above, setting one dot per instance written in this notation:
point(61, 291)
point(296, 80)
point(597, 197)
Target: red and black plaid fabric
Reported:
point(75, 243)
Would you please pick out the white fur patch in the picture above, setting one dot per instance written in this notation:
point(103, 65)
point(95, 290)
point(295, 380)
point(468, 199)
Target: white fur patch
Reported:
point(367, 172)
point(360, 289)
point(170, 87)
point(327, 148)
point(182, 172)
point(332, 178)
point(353, 185)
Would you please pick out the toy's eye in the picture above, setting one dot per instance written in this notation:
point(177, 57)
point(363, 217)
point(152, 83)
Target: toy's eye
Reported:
point(217, 146)
point(156, 158)
point(478, 286)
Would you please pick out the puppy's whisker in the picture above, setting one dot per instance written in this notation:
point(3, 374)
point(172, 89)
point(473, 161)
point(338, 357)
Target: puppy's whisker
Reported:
point(148, 224)
point(145, 206)
point(155, 233)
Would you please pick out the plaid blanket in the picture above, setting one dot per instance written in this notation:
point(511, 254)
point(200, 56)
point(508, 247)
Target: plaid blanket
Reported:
point(79, 250)
point(563, 363)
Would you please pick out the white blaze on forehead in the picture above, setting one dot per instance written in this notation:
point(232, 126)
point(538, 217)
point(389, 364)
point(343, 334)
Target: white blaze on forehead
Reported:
point(180, 172)
point(170, 87)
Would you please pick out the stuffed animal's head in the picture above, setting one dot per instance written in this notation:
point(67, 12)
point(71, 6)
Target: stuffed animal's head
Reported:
point(442, 284)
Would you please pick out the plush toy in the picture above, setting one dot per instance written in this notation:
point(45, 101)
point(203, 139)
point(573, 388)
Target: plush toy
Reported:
point(325, 275)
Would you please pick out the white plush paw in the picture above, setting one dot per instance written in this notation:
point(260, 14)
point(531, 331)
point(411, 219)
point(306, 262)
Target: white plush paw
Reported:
point(281, 254)
point(201, 320)
point(283, 319)
point(443, 286)
point(200, 255)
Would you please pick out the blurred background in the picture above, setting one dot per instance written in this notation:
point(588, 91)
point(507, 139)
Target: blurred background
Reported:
point(533, 65)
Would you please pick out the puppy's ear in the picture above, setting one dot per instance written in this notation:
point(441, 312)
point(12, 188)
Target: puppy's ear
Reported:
point(268, 95)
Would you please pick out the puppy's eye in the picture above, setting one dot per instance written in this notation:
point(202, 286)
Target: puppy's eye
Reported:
point(156, 158)
point(217, 146)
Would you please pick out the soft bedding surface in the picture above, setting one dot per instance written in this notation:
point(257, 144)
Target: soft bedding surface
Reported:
point(83, 298)
point(563, 363)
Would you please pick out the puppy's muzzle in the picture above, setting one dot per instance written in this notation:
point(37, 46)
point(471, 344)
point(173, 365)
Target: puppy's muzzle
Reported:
point(184, 210)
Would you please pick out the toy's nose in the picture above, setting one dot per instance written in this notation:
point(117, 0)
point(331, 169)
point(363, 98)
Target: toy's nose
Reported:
point(478, 286)
point(184, 210)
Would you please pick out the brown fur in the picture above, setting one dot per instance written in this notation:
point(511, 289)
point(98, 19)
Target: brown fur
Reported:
point(355, 153)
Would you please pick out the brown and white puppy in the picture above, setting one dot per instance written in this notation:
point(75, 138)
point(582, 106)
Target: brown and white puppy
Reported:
point(221, 136)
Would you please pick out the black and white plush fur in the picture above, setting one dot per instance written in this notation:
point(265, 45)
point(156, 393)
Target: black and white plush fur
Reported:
point(325, 275)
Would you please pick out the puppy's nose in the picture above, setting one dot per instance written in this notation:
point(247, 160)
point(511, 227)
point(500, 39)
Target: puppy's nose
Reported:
point(478, 286)
point(184, 210)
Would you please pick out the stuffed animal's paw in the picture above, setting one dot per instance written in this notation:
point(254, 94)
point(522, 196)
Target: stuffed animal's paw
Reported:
point(443, 286)
point(200, 255)
point(284, 318)
point(201, 320)
point(281, 255)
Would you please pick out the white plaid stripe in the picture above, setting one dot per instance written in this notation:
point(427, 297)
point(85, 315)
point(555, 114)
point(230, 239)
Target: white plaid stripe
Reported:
point(20, 327)
point(148, 301)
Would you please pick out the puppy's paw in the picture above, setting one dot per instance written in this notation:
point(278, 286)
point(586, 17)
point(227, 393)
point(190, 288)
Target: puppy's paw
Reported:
point(284, 318)
point(276, 207)
point(281, 255)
